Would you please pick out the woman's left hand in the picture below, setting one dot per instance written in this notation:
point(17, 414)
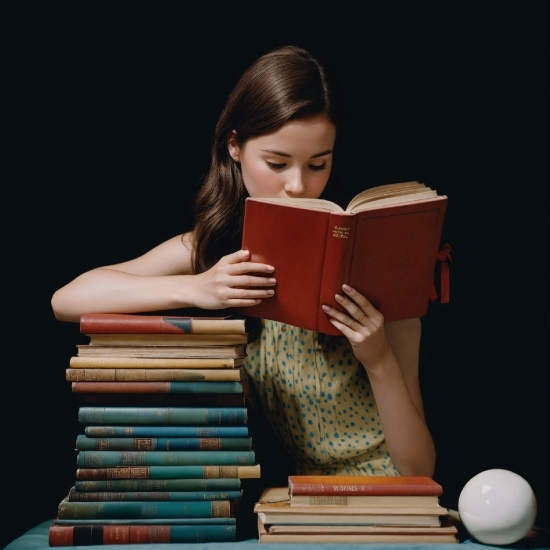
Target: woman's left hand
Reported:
point(363, 326)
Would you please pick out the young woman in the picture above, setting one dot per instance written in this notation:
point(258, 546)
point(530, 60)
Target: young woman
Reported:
point(340, 405)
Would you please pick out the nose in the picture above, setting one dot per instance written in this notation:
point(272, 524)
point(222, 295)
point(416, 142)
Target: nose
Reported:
point(295, 185)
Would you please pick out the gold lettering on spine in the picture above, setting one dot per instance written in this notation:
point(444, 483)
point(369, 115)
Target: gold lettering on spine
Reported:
point(340, 232)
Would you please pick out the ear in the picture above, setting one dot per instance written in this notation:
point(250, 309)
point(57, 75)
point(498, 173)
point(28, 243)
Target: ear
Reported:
point(232, 146)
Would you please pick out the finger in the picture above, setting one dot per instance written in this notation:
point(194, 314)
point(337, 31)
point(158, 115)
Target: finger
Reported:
point(249, 267)
point(352, 308)
point(240, 257)
point(340, 318)
point(362, 303)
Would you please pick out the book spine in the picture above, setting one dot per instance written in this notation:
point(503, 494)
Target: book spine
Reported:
point(158, 324)
point(149, 375)
point(159, 387)
point(136, 510)
point(395, 486)
point(157, 485)
point(162, 415)
point(169, 472)
point(89, 535)
point(161, 399)
point(336, 263)
point(84, 443)
point(94, 362)
point(166, 431)
point(115, 496)
point(107, 459)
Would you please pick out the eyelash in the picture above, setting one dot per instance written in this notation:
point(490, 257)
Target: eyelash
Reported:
point(313, 167)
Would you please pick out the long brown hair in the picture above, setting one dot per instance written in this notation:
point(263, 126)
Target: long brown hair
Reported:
point(285, 84)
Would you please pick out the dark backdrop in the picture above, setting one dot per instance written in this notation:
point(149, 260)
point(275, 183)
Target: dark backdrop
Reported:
point(107, 115)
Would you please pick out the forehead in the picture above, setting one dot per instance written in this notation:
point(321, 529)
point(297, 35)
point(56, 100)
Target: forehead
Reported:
point(315, 133)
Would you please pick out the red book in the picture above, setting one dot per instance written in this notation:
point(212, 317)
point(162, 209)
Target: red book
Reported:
point(385, 244)
point(127, 323)
point(363, 485)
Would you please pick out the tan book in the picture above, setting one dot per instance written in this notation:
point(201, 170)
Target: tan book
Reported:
point(214, 339)
point(95, 362)
point(189, 352)
point(354, 534)
point(274, 508)
point(362, 500)
point(151, 375)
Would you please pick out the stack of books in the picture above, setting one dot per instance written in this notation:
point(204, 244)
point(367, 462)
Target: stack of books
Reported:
point(354, 509)
point(166, 441)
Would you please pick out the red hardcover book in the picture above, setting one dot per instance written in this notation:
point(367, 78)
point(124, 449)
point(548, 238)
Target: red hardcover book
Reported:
point(127, 323)
point(386, 247)
point(363, 485)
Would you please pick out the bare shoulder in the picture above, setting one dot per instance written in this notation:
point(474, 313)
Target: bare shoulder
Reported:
point(171, 257)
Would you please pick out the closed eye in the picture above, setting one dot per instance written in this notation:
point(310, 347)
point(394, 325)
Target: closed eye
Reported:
point(319, 167)
point(276, 166)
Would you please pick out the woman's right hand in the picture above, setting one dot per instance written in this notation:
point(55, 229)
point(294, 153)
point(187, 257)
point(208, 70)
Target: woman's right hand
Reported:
point(232, 282)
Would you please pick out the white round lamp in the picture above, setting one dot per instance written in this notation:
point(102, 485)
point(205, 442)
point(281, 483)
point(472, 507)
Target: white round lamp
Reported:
point(497, 507)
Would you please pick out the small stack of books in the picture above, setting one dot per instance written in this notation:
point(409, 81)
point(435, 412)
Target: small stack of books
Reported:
point(354, 509)
point(166, 441)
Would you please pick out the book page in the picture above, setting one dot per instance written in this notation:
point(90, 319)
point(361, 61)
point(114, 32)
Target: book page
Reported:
point(389, 190)
point(410, 196)
point(313, 204)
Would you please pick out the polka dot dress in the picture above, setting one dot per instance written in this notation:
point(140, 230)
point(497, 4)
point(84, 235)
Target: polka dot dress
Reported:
point(319, 401)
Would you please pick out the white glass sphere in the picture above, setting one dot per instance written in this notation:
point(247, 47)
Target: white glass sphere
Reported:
point(497, 507)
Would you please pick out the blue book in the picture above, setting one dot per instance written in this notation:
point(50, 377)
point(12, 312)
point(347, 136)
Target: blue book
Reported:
point(149, 509)
point(166, 431)
point(147, 521)
point(115, 496)
point(191, 416)
point(84, 443)
point(177, 485)
point(103, 459)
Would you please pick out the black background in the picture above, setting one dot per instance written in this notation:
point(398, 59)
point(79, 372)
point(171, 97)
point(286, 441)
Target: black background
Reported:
point(108, 111)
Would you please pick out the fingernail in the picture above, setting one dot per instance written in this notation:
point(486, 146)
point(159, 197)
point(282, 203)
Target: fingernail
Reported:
point(244, 253)
point(325, 308)
point(271, 292)
point(272, 281)
point(347, 288)
point(338, 297)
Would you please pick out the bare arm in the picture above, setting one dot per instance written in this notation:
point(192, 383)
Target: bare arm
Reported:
point(162, 279)
point(390, 353)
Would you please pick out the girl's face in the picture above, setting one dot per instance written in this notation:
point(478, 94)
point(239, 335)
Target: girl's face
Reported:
point(295, 161)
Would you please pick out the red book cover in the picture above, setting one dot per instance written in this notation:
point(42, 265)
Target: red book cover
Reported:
point(363, 485)
point(127, 323)
point(388, 253)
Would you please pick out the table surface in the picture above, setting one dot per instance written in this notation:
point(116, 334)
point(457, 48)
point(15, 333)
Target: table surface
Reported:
point(37, 539)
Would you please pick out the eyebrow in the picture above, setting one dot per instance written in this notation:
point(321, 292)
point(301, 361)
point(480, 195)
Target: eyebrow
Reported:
point(281, 154)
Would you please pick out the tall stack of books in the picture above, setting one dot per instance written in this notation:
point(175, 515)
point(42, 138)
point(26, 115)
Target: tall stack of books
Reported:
point(355, 509)
point(166, 441)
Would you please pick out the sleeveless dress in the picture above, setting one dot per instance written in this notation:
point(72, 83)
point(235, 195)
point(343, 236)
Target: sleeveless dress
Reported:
point(319, 401)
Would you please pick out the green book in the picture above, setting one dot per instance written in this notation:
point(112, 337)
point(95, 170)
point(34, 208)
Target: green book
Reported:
point(189, 485)
point(194, 416)
point(107, 496)
point(102, 459)
point(149, 509)
point(166, 431)
point(84, 443)
point(146, 521)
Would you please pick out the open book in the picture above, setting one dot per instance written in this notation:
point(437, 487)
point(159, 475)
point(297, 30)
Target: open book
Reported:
point(384, 244)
